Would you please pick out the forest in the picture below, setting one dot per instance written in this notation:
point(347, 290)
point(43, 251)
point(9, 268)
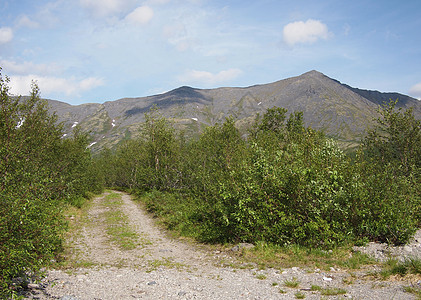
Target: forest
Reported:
point(281, 182)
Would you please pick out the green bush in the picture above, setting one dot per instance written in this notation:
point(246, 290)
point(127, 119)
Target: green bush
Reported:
point(39, 171)
point(285, 184)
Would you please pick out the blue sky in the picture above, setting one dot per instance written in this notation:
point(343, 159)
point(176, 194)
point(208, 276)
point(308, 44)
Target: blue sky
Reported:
point(81, 51)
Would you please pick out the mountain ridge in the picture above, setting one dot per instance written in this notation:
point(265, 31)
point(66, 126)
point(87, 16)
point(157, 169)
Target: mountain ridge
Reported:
point(340, 110)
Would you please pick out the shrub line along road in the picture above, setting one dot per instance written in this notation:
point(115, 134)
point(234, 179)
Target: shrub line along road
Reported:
point(161, 267)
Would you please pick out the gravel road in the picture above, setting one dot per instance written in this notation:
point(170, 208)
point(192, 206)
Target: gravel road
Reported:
point(162, 267)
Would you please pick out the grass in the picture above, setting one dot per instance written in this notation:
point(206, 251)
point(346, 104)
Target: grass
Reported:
point(328, 291)
point(261, 276)
point(299, 295)
point(316, 288)
point(294, 283)
point(332, 291)
point(413, 290)
point(402, 268)
point(77, 219)
point(117, 223)
point(273, 256)
point(166, 262)
point(411, 266)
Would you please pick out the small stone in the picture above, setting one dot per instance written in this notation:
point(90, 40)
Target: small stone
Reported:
point(182, 293)
point(68, 298)
point(246, 246)
point(332, 269)
point(151, 282)
point(327, 278)
point(81, 277)
point(33, 286)
point(241, 246)
point(165, 250)
point(407, 248)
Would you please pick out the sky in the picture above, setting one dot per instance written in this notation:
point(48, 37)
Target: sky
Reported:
point(85, 51)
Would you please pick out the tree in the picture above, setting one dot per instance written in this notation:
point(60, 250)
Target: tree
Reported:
point(396, 139)
point(39, 171)
point(30, 218)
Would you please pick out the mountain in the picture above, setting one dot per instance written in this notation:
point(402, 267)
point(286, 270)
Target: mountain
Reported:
point(341, 111)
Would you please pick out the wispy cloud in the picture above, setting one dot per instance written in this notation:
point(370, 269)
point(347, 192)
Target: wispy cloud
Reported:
point(6, 35)
point(158, 1)
point(25, 21)
point(305, 32)
point(141, 15)
point(415, 91)
point(177, 35)
point(12, 67)
point(208, 78)
point(104, 8)
point(19, 85)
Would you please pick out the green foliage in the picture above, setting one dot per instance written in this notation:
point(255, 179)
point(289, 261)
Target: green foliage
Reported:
point(174, 211)
point(395, 140)
point(388, 166)
point(286, 184)
point(38, 171)
point(272, 121)
point(148, 163)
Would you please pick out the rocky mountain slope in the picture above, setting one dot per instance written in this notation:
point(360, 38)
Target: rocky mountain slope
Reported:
point(341, 111)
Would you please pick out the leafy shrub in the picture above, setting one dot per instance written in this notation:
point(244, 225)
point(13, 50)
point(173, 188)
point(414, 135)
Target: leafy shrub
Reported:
point(38, 171)
point(286, 184)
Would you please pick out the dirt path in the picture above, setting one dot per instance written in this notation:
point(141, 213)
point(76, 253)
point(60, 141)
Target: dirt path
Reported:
point(160, 267)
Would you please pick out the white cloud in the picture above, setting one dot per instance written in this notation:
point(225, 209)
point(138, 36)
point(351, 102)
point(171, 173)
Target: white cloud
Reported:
point(12, 67)
point(415, 91)
point(208, 78)
point(305, 32)
point(90, 83)
point(141, 15)
point(101, 8)
point(157, 1)
point(6, 35)
point(20, 85)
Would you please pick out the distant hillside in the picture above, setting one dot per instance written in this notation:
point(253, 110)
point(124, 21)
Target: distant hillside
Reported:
point(339, 110)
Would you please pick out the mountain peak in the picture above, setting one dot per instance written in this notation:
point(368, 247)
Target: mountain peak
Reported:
point(313, 73)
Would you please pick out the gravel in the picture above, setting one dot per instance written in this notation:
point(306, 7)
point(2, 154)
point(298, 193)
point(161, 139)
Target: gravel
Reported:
point(162, 267)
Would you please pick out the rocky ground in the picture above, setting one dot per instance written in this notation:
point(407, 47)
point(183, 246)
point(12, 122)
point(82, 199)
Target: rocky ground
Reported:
point(161, 267)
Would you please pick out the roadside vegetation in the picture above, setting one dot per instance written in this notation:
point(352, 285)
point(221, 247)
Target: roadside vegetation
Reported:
point(40, 175)
point(281, 185)
point(286, 188)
